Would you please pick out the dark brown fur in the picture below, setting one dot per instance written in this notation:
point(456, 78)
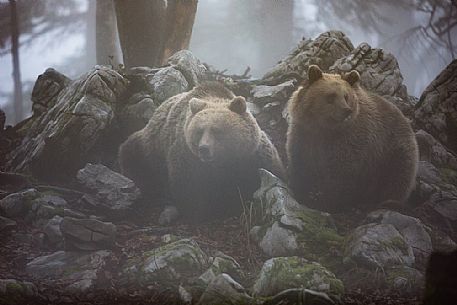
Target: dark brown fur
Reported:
point(165, 157)
point(347, 147)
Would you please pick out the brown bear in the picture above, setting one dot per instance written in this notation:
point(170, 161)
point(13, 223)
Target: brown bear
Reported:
point(347, 147)
point(203, 149)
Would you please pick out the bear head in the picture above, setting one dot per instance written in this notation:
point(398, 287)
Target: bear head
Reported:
point(220, 132)
point(328, 100)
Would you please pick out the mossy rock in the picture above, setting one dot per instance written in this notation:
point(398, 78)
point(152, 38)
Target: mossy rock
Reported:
point(168, 264)
point(283, 273)
point(15, 292)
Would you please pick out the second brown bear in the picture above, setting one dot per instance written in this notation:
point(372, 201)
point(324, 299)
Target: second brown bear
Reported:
point(347, 147)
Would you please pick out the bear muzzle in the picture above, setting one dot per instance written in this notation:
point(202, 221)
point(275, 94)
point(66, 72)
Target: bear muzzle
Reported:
point(204, 153)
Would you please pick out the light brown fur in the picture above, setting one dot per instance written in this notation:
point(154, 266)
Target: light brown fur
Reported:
point(347, 147)
point(202, 149)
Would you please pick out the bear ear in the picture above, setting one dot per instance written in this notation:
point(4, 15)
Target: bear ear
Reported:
point(238, 105)
point(352, 77)
point(196, 105)
point(314, 73)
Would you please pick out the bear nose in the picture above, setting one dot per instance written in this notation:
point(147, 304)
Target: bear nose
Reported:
point(203, 151)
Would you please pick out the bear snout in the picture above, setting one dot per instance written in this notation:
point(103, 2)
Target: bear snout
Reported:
point(204, 153)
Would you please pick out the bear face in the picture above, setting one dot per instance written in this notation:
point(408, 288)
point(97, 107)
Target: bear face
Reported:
point(329, 101)
point(214, 128)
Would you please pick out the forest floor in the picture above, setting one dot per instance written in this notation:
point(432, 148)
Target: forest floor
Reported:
point(229, 236)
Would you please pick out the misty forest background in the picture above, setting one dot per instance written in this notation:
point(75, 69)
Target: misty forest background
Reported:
point(74, 35)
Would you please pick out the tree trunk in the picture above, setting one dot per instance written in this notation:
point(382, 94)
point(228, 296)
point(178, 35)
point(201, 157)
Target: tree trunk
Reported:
point(18, 107)
point(140, 28)
point(107, 40)
point(90, 36)
point(180, 21)
point(150, 31)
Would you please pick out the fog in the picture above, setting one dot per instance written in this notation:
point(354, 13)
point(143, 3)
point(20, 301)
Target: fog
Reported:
point(236, 34)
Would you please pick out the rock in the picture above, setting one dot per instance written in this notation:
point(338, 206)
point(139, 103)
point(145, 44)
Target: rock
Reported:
point(379, 73)
point(222, 264)
point(136, 115)
point(184, 295)
point(6, 224)
point(112, 191)
point(73, 131)
point(436, 112)
point(378, 246)
point(286, 227)
point(16, 292)
point(53, 233)
point(440, 212)
point(169, 215)
point(170, 264)
point(18, 204)
point(267, 94)
point(87, 234)
point(428, 173)
point(405, 279)
point(433, 151)
point(79, 269)
point(278, 241)
point(322, 51)
point(281, 273)
point(224, 290)
point(189, 65)
point(167, 83)
point(414, 232)
point(299, 296)
point(46, 207)
point(46, 89)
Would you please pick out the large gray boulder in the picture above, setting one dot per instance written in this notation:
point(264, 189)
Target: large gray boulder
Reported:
point(170, 264)
point(375, 246)
point(87, 234)
point(165, 83)
point(281, 273)
point(413, 231)
point(79, 269)
point(189, 65)
point(322, 51)
point(71, 132)
point(223, 290)
point(285, 227)
point(436, 112)
point(113, 193)
point(18, 204)
point(433, 151)
point(15, 292)
point(46, 90)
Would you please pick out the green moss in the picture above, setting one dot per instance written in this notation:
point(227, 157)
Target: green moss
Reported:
point(449, 175)
point(14, 288)
point(397, 243)
point(295, 272)
point(318, 241)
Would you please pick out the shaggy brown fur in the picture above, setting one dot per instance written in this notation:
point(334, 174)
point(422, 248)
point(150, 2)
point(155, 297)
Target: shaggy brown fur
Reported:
point(204, 149)
point(347, 147)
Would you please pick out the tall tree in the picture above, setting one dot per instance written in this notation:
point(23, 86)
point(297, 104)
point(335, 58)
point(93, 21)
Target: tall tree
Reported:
point(148, 30)
point(180, 20)
point(18, 108)
point(107, 40)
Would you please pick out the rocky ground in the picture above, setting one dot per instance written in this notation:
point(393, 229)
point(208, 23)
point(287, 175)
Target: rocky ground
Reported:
point(73, 230)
